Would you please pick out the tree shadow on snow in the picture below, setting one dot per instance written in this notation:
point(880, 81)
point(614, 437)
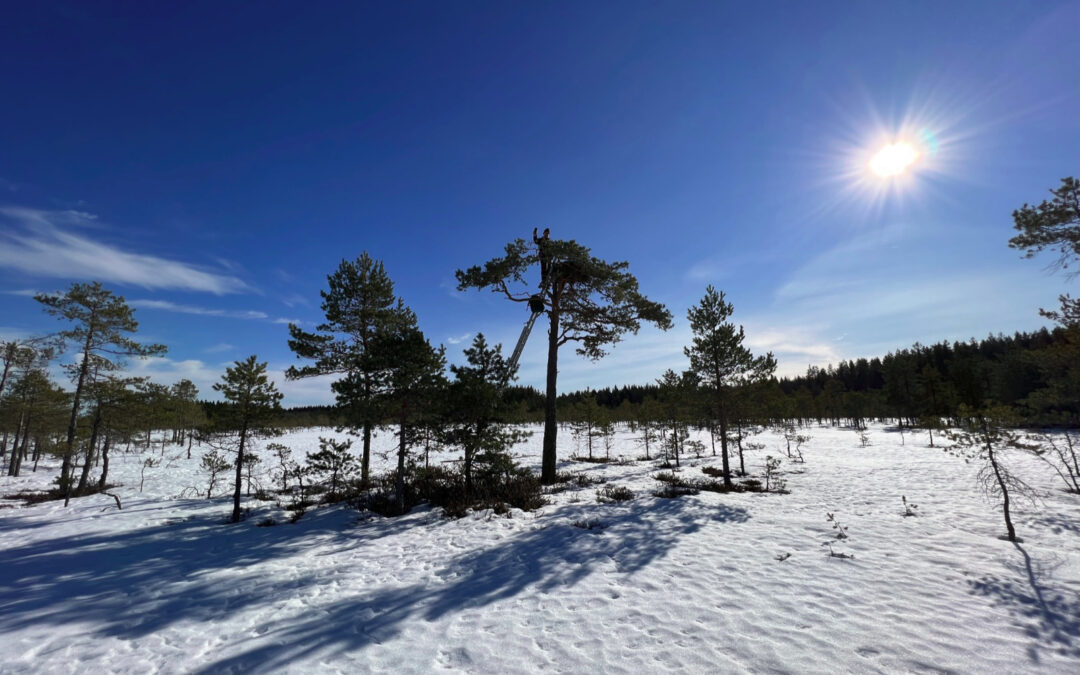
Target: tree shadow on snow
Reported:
point(545, 560)
point(131, 583)
point(1051, 617)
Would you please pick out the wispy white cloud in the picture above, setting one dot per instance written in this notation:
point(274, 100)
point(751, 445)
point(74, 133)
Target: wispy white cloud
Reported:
point(294, 299)
point(458, 339)
point(308, 391)
point(168, 306)
point(284, 320)
point(22, 292)
point(44, 245)
point(219, 348)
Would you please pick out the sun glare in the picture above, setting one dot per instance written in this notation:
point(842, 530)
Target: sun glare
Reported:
point(893, 159)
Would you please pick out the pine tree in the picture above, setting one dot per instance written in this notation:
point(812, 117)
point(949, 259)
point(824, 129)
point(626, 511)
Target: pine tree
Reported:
point(718, 356)
point(334, 462)
point(677, 394)
point(478, 413)
point(1055, 225)
point(254, 399)
point(360, 306)
point(102, 322)
point(411, 372)
point(588, 301)
point(590, 421)
point(983, 436)
point(189, 414)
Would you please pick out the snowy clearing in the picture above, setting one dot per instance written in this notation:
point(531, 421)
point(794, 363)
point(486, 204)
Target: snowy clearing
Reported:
point(691, 584)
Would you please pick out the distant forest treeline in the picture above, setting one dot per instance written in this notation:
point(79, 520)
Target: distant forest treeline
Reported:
point(1022, 370)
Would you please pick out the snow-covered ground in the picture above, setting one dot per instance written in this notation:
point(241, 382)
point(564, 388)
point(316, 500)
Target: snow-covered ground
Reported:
point(686, 585)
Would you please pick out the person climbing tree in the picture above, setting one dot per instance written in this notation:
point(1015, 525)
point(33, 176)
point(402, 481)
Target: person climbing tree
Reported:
point(587, 300)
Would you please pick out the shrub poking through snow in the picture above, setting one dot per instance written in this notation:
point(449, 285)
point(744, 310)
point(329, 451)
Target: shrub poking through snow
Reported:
point(612, 493)
point(589, 524)
point(148, 463)
point(705, 484)
point(909, 508)
point(841, 530)
point(841, 533)
point(585, 480)
point(670, 491)
point(864, 438)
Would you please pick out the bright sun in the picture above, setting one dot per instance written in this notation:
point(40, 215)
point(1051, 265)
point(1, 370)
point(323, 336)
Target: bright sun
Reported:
point(893, 159)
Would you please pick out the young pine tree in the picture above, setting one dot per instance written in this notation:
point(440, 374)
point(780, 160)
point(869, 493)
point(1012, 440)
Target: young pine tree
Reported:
point(983, 437)
point(334, 463)
point(478, 414)
point(252, 400)
point(718, 357)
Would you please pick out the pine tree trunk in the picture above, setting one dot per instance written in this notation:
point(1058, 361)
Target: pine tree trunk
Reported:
point(738, 439)
point(365, 458)
point(104, 463)
point(723, 446)
point(88, 462)
point(15, 445)
point(239, 473)
point(22, 452)
point(69, 448)
point(399, 480)
point(551, 430)
point(1004, 491)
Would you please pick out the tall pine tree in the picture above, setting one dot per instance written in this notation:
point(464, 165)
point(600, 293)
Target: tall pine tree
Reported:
point(101, 322)
point(718, 357)
point(588, 301)
point(360, 308)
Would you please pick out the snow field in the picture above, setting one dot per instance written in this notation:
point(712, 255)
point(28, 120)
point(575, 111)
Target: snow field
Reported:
point(665, 585)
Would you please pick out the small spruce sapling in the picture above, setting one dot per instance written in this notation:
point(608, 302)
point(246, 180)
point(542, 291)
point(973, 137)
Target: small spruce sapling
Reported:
point(864, 438)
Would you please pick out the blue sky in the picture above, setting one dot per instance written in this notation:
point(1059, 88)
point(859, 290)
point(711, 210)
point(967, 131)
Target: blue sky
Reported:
point(213, 162)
